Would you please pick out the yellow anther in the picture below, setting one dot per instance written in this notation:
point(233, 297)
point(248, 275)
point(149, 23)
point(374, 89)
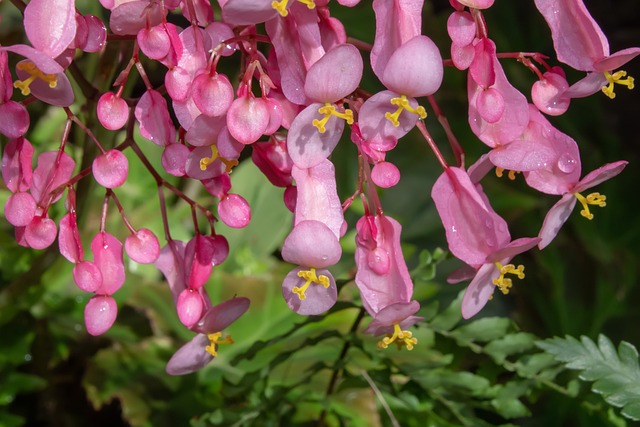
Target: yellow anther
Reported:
point(329, 110)
point(511, 174)
point(596, 199)
point(616, 78)
point(400, 337)
point(310, 277)
point(215, 340)
point(403, 104)
point(206, 161)
point(503, 283)
point(34, 73)
point(281, 6)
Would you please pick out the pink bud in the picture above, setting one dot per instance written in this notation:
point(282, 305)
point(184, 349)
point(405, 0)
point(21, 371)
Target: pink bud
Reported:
point(290, 197)
point(154, 42)
point(547, 93)
point(189, 307)
point(99, 314)
point(212, 94)
point(178, 83)
point(97, 34)
point(142, 247)
point(15, 119)
point(20, 209)
point(385, 174)
point(110, 169)
point(87, 276)
point(69, 239)
point(247, 119)
point(461, 28)
point(174, 158)
point(113, 111)
point(220, 249)
point(234, 211)
point(40, 232)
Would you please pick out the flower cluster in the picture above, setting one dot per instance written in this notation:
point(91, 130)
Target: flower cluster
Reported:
point(297, 88)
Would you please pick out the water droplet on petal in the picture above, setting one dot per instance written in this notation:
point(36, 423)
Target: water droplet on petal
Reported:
point(566, 163)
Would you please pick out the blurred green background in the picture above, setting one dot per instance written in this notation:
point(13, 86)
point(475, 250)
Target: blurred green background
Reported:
point(288, 370)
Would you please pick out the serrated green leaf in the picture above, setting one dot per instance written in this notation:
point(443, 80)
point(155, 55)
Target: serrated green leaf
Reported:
point(482, 330)
point(510, 407)
point(509, 344)
point(616, 376)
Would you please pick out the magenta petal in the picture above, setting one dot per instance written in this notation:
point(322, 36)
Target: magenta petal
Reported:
point(110, 169)
point(17, 171)
point(171, 263)
point(50, 25)
point(234, 211)
point(602, 174)
point(393, 314)
point(191, 357)
point(617, 59)
point(322, 84)
point(522, 156)
point(99, 314)
point(143, 246)
point(153, 115)
point(41, 232)
point(53, 170)
point(69, 239)
point(592, 83)
point(318, 298)
point(107, 255)
point(311, 244)
point(87, 276)
point(189, 307)
point(385, 174)
point(514, 248)
point(20, 209)
point(306, 145)
point(318, 197)
point(424, 74)
point(97, 34)
point(15, 119)
point(220, 316)
point(479, 290)
point(555, 218)
point(396, 23)
point(198, 255)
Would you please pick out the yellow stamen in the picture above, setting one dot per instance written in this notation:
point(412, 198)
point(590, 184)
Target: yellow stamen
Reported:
point(215, 340)
point(206, 161)
point(330, 110)
point(617, 77)
point(281, 6)
point(34, 73)
point(591, 199)
point(310, 277)
point(511, 174)
point(503, 283)
point(403, 104)
point(400, 337)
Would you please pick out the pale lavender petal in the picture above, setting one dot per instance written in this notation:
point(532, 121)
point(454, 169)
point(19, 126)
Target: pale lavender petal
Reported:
point(479, 290)
point(617, 59)
point(587, 86)
point(602, 174)
point(318, 299)
point(555, 218)
point(191, 357)
point(322, 83)
point(220, 316)
point(311, 244)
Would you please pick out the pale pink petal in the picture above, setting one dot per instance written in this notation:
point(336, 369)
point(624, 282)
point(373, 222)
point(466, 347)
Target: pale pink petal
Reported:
point(555, 218)
point(311, 244)
point(479, 290)
point(50, 25)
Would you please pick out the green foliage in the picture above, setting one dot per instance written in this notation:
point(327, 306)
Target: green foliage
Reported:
point(615, 373)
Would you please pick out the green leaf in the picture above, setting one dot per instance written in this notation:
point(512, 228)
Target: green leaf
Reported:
point(508, 345)
point(450, 317)
point(482, 330)
point(616, 373)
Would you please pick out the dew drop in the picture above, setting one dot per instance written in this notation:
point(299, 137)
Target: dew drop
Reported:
point(566, 163)
point(27, 357)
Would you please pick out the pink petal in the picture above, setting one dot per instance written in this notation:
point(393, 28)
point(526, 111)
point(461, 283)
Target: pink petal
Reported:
point(50, 25)
point(318, 298)
point(17, 171)
point(311, 244)
point(171, 264)
point(617, 59)
point(555, 218)
point(15, 122)
point(143, 246)
point(247, 119)
point(99, 314)
point(113, 111)
point(191, 357)
point(600, 175)
point(110, 169)
point(220, 316)
point(87, 276)
point(461, 28)
point(321, 84)
point(20, 209)
point(479, 290)
point(153, 115)
point(234, 211)
point(189, 307)
point(107, 256)
point(69, 239)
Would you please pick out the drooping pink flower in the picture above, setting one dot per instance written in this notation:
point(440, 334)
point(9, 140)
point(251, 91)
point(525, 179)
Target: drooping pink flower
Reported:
point(316, 131)
point(580, 43)
point(478, 236)
point(202, 349)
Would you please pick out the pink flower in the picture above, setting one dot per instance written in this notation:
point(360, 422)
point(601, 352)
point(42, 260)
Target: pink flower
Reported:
point(580, 43)
point(478, 236)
